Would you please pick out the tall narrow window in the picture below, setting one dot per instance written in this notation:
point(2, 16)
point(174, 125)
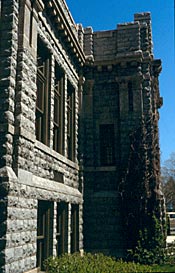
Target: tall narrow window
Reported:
point(58, 139)
point(130, 97)
point(0, 9)
point(70, 122)
point(74, 228)
point(107, 145)
point(44, 232)
point(62, 228)
point(117, 97)
point(43, 88)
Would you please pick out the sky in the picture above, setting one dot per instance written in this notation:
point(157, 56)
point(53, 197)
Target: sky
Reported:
point(105, 15)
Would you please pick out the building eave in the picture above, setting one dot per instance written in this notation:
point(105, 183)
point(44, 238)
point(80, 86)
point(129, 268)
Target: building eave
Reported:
point(65, 24)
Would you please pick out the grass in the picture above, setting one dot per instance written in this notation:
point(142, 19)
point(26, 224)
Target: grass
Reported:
point(164, 268)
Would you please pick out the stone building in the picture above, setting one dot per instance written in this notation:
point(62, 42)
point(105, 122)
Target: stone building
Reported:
point(69, 101)
point(41, 198)
point(120, 104)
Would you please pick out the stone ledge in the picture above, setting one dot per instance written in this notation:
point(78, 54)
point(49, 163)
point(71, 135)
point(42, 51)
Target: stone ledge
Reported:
point(7, 172)
point(27, 178)
point(100, 169)
point(35, 270)
point(47, 150)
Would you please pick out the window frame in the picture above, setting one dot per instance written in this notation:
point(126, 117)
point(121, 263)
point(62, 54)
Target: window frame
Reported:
point(59, 112)
point(74, 228)
point(70, 121)
point(62, 228)
point(45, 215)
point(43, 94)
point(107, 144)
point(130, 97)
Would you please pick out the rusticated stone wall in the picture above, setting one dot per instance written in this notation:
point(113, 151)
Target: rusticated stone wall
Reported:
point(116, 60)
point(100, 66)
point(29, 170)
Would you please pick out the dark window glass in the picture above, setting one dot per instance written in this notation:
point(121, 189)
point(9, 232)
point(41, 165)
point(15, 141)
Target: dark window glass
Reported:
point(107, 145)
point(44, 232)
point(74, 228)
point(70, 122)
point(130, 97)
point(43, 91)
point(62, 228)
point(58, 134)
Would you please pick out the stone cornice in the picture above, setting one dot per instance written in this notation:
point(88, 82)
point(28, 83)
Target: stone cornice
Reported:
point(39, 5)
point(65, 29)
point(156, 67)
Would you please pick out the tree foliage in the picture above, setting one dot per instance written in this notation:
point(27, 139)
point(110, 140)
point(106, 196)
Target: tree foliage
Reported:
point(168, 181)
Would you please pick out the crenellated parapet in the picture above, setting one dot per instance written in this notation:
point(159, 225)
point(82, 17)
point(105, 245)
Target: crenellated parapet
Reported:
point(130, 40)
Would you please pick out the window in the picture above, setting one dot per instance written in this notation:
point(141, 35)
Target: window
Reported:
point(43, 90)
point(44, 231)
point(62, 228)
point(58, 134)
point(130, 97)
point(107, 145)
point(74, 228)
point(70, 122)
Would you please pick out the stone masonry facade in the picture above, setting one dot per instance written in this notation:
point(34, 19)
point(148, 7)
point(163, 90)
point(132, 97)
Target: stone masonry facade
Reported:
point(31, 171)
point(70, 98)
point(121, 95)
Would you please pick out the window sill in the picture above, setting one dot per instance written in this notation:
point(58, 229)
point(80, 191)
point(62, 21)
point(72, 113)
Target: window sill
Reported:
point(45, 149)
point(101, 169)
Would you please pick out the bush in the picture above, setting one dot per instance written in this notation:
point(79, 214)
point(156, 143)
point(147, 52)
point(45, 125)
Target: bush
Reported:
point(170, 254)
point(89, 263)
point(150, 247)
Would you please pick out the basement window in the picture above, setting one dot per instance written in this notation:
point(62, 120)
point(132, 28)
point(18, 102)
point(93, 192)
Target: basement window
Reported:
point(74, 228)
point(62, 228)
point(44, 232)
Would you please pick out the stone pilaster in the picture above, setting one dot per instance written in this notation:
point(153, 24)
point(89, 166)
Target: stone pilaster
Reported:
point(26, 87)
point(8, 67)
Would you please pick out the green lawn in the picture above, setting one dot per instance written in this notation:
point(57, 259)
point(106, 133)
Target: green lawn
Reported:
point(164, 268)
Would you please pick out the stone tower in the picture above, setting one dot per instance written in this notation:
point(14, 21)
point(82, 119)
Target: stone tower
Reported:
point(120, 125)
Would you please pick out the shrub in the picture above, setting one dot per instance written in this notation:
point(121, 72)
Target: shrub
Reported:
point(150, 247)
point(170, 254)
point(91, 263)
